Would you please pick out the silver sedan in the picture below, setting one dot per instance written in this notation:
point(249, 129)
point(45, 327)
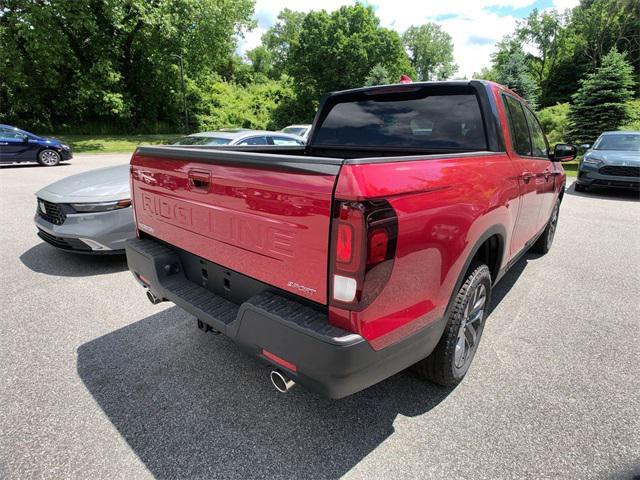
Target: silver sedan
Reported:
point(87, 213)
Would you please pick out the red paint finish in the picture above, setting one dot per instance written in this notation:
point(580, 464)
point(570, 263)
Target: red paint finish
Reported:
point(272, 226)
point(443, 207)
point(275, 226)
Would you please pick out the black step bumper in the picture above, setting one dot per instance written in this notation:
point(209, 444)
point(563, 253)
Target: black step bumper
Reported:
point(328, 360)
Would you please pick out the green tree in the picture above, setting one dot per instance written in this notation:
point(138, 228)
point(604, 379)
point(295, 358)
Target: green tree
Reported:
point(110, 62)
point(378, 75)
point(431, 51)
point(512, 70)
point(599, 104)
point(261, 60)
point(338, 50)
point(281, 38)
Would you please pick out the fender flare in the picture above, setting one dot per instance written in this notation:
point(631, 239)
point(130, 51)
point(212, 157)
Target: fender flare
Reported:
point(496, 229)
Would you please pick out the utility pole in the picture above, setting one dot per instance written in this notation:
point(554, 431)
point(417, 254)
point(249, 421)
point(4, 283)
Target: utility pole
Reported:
point(184, 93)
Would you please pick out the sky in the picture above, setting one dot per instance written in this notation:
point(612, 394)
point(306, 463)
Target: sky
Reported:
point(474, 25)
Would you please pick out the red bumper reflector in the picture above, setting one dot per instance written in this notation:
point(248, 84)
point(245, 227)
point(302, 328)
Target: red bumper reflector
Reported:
point(144, 280)
point(280, 361)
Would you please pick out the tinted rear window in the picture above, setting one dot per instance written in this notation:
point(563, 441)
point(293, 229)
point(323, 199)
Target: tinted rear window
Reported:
point(432, 122)
point(195, 140)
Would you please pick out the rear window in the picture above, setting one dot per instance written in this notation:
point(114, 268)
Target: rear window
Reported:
point(432, 122)
point(195, 140)
point(294, 130)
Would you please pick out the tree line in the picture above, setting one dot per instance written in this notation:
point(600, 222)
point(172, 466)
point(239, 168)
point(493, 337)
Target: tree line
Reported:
point(108, 66)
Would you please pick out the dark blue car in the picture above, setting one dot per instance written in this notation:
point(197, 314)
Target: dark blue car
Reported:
point(20, 146)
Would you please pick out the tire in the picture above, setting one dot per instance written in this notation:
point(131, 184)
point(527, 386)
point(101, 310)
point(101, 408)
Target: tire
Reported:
point(49, 158)
point(450, 360)
point(579, 188)
point(544, 242)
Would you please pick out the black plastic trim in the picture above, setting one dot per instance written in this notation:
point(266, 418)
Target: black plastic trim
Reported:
point(413, 158)
point(264, 161)
point(328, 360)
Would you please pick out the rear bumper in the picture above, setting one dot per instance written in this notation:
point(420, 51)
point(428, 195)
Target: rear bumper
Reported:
point(327, 359)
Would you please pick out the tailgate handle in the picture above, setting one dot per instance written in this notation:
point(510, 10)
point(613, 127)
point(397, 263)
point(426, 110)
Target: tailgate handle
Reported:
point(199, 180)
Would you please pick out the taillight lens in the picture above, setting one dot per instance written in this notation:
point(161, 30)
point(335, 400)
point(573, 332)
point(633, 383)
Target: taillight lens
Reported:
point(344, 243)
point(363, 246)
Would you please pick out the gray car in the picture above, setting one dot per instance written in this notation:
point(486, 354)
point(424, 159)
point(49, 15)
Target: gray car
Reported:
point(87, 213)
point(240, 136)
point(613, 161)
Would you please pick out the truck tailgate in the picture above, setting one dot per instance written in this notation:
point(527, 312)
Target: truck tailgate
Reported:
point(266, 216)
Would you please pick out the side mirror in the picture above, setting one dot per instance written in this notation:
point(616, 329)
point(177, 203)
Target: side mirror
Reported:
point(585, 146)
point(564, 152)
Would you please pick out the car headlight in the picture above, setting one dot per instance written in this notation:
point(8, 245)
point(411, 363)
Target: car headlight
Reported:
point(101, 206)
point(592, 162)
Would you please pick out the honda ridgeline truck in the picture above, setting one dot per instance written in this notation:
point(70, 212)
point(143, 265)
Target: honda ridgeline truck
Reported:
point(372, 248)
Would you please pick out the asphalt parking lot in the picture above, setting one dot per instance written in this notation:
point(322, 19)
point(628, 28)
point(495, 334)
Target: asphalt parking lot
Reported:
point(98, 383)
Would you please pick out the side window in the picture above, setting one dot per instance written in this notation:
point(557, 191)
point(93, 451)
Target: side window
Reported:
point(10, 133)
point(254, 141)
point(538, 139)
point(519, 129)
point(286, 141)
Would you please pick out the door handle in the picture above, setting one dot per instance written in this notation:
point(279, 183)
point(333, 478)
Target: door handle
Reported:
point(199, 180)
point(547, 174)
point(4, 143)
point(526, 176)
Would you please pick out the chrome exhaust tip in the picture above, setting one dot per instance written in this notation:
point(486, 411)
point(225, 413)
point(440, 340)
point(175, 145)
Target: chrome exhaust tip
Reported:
point(152, 298)
point(282, 383)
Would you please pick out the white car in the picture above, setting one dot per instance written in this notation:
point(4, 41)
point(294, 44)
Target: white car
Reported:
point(299, 130)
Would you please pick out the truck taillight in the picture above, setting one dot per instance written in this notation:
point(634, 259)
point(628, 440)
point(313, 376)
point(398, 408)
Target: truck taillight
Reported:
point(363, 246)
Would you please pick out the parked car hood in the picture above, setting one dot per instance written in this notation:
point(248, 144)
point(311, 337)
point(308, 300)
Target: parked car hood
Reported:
point(100, 185)
point(616, 157)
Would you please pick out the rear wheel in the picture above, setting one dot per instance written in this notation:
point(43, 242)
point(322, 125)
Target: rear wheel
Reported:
point(543, 244)
point(450, 360)
point(49, 158)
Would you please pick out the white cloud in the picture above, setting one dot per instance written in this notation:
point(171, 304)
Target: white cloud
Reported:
point(564, 4)
point(474, 25)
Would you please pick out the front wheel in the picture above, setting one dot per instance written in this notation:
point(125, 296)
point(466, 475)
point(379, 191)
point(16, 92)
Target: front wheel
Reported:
point(543, 244)
point(450, 360)
point(49, 158)
point(579, 188)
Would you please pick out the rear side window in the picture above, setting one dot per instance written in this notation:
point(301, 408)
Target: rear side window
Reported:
point(432, 122)
point(285, 141)
point(518, 124)
point(254, 141)
point(538, 141)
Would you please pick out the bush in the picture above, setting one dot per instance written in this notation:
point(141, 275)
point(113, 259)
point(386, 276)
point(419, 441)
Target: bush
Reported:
point(555, 122)
point(633, 107)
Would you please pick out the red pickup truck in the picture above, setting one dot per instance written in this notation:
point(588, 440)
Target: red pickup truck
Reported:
point(373, 248)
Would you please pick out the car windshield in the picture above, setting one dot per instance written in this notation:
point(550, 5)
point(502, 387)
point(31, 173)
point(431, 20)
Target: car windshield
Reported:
point(197, 140)
point(620, 142)
point(294, 130)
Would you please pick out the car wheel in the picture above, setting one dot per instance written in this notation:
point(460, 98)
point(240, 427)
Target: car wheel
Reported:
point(579, 188)
point(544, 242)
point(450, 360)
point(49, 158)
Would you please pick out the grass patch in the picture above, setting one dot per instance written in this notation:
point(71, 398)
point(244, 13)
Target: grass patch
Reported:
point(571, 168)
point(114, 143)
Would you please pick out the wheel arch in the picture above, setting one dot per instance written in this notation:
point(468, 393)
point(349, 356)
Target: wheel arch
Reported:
point(488, 248)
